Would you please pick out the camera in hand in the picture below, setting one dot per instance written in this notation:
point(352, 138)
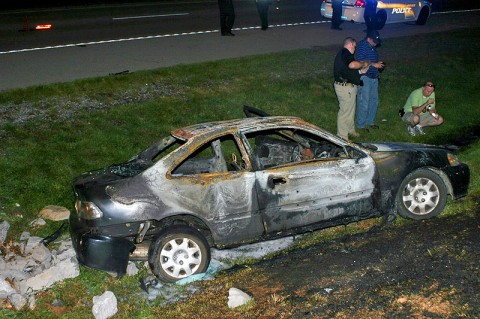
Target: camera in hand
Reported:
point(382, 68)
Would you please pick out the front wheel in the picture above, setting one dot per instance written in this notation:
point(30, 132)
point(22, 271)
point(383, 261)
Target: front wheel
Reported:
point(178, 252)
point(422, 195)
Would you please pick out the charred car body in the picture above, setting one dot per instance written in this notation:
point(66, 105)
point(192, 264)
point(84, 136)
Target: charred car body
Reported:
point(223, 184)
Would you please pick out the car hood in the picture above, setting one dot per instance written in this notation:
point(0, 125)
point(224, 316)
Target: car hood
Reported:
point(399, 146)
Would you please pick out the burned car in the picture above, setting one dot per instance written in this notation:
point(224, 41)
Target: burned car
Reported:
point(227, 183)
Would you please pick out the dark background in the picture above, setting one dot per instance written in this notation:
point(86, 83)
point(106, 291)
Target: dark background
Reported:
point(438, 5)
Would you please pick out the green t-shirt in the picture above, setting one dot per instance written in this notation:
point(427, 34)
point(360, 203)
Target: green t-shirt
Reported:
point(416, 98)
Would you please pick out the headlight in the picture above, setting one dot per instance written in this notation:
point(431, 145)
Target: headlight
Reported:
point(453, 159)
point(88, 210)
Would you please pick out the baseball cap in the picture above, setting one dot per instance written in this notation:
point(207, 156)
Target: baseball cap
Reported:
point(375, 36)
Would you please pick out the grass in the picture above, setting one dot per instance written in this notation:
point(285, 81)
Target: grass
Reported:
point(50, 134)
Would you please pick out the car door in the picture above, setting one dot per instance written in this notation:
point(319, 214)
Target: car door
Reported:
point(399, 10)
point(307, 180)
point(216, 184)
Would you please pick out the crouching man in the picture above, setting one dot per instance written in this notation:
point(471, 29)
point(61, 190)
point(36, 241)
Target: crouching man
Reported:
point(420, 111)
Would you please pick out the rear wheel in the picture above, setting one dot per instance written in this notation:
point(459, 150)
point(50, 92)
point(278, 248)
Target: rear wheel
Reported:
point(178, 252)
point(380, 19)
point(423, 16)
point(422, 195)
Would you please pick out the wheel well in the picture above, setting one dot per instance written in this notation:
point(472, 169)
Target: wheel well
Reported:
point(427, 9)
point(444, 177)
point(187, 220)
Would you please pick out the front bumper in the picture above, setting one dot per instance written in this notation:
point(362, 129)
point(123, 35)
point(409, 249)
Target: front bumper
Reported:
point(107, 253)
point(459, 179)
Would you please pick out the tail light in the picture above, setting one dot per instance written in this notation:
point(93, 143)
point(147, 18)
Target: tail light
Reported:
point(360, 3)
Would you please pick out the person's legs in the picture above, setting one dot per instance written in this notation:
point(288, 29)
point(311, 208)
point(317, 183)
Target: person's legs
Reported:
point(230, 12)
point(372, 101)
point(263, 13)
point(346, 114)
point(362, 103)
point(336, 14)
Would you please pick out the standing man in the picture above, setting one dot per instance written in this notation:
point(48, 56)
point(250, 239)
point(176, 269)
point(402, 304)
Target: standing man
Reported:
point(336, 14)
point(369, 14)
point(346, 72)
point(262, 7)
point(420, 109)
point(367, 95)
point(227, 17)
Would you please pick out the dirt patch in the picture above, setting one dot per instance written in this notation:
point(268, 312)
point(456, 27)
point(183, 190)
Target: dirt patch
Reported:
point(426, 269)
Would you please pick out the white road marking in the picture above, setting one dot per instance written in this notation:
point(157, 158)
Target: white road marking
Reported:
point(184, 33)
point(82, 44)
point(151, 16)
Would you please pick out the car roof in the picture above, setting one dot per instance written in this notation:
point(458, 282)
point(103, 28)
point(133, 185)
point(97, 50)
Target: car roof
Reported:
point(245, 124)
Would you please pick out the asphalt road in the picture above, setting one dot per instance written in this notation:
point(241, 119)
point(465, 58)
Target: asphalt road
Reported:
point(22, 66)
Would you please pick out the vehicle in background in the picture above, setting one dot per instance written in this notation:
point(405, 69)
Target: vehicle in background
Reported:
point(388, 11)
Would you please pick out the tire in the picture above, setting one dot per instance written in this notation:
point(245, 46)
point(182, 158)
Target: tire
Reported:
point(178, 252)
point(422, 195)
point(423, 16)
point(380, 19)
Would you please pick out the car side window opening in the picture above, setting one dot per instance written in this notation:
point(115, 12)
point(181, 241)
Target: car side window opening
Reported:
point(271, 148)
point(219, 155)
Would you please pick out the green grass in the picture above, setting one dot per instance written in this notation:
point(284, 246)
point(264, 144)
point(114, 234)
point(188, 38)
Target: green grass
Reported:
point(116, 117)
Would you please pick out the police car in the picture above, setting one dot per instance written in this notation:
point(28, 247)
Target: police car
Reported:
point(388, 11)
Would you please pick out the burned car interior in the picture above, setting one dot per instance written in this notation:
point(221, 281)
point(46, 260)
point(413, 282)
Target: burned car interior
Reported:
point(268, 148)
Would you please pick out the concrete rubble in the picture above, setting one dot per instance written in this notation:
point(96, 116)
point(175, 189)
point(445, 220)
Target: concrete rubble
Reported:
point(237, 298)
point(28, 267)
point(104, 306)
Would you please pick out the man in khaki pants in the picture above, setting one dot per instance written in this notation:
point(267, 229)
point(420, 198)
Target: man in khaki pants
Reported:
point(346, 72)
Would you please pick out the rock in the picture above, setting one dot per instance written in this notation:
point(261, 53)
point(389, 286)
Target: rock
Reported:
point(40, 253)
point(68, 268)
point(32, 243)
point(24, 236)
point(5, 288)
point(132, 269)
point(38, 222)
point(104, 306)
point(55, 213)
point(17, 300)
point(4, 227)
point(237, 298)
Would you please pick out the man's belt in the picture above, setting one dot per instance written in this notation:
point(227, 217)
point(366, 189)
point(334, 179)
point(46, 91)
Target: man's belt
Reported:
point(344, 83)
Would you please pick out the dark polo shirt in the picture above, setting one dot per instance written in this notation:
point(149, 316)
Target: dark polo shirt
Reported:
point(341, 71)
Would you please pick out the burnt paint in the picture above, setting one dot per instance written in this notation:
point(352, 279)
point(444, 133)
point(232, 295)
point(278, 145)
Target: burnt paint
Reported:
point(235, 206)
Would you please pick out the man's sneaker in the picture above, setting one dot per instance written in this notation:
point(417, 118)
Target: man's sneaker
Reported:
point(411, 130)
point(419, 129)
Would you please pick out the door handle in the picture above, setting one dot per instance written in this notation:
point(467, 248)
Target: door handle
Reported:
point(276, 180)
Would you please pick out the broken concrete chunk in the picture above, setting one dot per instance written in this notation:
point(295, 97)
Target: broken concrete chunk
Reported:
point(32, 243)
point(55, 213)
point(104, 306)
point(17, 300)
point(68, 268)
point(237, 298)
point(5, 288)
point(4, 227)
